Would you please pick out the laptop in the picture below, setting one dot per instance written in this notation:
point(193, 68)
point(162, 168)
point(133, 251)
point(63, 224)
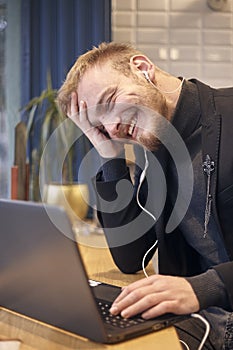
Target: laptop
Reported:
point(42, 276)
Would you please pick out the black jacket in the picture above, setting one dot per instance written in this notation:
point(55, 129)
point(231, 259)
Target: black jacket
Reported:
point(176, 257)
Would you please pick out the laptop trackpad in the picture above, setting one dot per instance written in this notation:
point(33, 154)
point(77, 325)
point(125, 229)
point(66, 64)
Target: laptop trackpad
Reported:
point(105, 291)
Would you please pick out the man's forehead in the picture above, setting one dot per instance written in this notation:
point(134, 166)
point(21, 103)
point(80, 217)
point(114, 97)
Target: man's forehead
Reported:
point(93, 82)
point(98, 72)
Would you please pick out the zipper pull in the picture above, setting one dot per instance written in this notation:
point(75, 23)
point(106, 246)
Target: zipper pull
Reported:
point(208, 168)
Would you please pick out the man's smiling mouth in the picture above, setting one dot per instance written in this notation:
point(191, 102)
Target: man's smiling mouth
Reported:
point(132, 127)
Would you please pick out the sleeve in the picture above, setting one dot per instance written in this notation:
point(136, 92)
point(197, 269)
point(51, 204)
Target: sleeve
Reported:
point(210, 290)
point(225, 272)
point(129, 231)
point(113, 169)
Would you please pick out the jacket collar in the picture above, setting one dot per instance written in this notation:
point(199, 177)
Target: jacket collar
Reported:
point(186, 117)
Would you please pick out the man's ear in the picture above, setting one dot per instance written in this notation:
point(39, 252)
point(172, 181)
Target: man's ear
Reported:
point(141, 63)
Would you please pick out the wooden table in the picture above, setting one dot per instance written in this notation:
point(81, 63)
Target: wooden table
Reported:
point(35, 335)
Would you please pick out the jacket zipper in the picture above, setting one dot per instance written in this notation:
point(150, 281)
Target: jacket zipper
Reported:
point(208, 168)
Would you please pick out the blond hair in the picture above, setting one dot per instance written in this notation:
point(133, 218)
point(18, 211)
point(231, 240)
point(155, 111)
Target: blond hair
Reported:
point(117, 53)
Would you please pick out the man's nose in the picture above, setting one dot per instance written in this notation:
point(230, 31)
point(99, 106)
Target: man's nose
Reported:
point(113, 128)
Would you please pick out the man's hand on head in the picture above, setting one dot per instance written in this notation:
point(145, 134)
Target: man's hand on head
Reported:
point(106, 147)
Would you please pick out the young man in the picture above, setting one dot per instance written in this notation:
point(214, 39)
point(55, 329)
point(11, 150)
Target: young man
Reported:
point(183, 199)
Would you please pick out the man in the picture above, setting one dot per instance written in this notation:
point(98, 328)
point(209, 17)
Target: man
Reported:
point(115, 94)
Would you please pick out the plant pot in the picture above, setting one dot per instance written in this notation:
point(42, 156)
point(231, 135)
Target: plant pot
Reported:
point(74, 198)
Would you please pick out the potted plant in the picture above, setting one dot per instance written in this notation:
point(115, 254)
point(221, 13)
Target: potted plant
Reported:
point(50, 138)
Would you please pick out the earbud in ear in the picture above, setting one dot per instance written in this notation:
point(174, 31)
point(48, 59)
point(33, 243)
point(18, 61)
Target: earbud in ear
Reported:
point(146, 75)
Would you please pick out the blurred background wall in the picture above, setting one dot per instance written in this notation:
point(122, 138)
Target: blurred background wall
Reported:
point(38, 37)
point(190, 38)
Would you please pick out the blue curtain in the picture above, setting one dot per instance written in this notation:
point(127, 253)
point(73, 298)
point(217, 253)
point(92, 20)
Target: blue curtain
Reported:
point(54, 34)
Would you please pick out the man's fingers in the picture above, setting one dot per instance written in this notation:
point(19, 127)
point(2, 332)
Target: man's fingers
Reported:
point(78, 114)
point(146, 302)
point(73, 104)
point(83, 113)
point(134, 286)
point(131, 302)
point(160, 309)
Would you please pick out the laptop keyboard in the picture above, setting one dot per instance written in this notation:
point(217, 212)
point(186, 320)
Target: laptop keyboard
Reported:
point(117, 321)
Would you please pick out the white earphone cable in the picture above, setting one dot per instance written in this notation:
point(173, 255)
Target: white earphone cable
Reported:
point(145, 73)
point(142, 177)
point(207, 329)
